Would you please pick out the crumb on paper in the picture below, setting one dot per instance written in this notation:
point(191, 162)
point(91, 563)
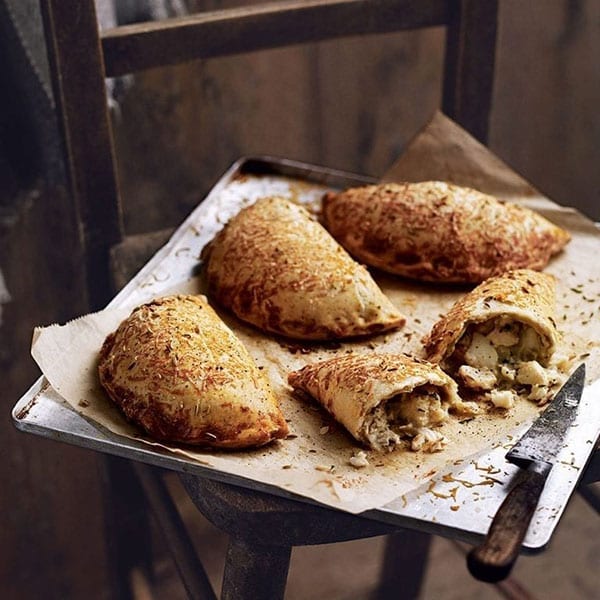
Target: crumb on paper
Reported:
point(325, 468)
point(359, 460)
point(502, 398)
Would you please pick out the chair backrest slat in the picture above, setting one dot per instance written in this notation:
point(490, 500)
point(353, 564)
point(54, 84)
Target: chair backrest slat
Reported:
point(132, 48)
point(469, 65)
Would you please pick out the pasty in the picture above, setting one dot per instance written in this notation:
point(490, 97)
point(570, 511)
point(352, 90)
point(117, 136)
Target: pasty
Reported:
point(435, 231)
point(498, 340)
point(274, 266)
point(383, 398)
point(176, 370)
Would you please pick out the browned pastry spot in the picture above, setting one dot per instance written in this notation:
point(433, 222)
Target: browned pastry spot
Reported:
point(436, 231)
point(275, 267)
point(175, 369)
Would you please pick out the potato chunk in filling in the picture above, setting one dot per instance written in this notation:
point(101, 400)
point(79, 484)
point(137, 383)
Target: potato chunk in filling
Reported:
point(409, 415)
point(500, 360)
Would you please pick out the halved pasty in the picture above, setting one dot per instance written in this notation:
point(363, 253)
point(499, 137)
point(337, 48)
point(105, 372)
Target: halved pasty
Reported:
point(435, 231)
point(497, 341)
point(175, 369)
point(275, 267)
point(382, 398)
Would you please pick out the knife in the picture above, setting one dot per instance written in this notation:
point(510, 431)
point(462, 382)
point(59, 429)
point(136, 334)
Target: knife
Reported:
point(536, 453)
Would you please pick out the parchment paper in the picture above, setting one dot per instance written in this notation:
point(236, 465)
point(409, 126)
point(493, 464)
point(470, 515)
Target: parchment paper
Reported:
point(314, 461)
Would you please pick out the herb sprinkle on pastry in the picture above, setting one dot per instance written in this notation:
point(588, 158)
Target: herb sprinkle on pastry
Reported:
point(177, 371)
point(277, 268)
point(436, 231)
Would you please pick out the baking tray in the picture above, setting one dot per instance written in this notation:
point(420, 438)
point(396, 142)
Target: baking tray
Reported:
point(459, 504)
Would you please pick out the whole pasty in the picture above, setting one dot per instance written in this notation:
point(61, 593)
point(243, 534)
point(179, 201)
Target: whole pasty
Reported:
point(498, 340)
point(275, 267)
point(176, 370)
point(382, 398)
point(435, 231)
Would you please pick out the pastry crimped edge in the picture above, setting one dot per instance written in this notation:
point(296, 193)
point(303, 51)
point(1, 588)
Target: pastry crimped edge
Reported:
point(176, 370)
point(437, 231)
point(278, 269)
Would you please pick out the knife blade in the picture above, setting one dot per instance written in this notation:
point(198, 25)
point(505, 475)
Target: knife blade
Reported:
point(535, 452)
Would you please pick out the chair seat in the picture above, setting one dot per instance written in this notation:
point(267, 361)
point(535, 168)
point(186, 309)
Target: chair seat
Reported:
point(263, 529)
point(271, 520)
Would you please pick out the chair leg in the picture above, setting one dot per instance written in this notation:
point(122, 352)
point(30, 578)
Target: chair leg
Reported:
point(255, 571)
point(404, 565)
point(127, 525)
point(191, 570)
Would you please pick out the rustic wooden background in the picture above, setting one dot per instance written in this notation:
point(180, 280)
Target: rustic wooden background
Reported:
point(354, 104)
point(349, 104)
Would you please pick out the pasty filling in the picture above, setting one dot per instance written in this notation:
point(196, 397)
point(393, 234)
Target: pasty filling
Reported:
point(409, 415)
point(501, 360)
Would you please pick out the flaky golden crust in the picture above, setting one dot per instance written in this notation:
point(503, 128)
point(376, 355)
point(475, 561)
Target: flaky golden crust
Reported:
point(175, 369)
point(351, 386)
point(275, 267)
point(523, 295)
point(436, 231)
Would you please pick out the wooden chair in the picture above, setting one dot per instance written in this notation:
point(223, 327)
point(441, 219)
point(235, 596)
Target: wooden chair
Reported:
point(262, 528)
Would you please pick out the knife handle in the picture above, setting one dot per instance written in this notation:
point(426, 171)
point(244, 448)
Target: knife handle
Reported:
point(493, 560)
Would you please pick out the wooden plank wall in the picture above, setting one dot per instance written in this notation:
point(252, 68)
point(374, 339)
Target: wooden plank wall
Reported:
point(546, 123)
point(329, 103)
point(347, 104)
point(353, 104)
